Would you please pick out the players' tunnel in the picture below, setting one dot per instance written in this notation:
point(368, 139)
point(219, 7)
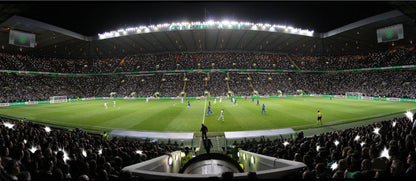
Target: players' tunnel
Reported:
point(212, 163)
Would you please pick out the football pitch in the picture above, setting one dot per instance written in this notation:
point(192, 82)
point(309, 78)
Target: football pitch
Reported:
point(175, 116)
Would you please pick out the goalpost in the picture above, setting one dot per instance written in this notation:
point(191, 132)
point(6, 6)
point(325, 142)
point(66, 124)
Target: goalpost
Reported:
point(56, 99)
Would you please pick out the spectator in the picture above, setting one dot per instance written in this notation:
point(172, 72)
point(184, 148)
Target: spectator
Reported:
point(411, 161)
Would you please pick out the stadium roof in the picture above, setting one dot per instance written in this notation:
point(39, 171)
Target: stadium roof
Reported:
point(334, 33)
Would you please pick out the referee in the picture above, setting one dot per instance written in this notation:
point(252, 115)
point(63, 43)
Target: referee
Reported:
point(319, 118)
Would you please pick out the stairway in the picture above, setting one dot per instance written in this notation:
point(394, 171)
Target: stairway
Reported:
point(206, 85)
point(293, 63)
point(218, 144)
point(119, 64)
point(228, 85)
point(160, 87)
point(184, 86)
point(251, 84)
point(177, 60)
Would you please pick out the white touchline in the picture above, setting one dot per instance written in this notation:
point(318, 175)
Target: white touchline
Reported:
point(203, 117)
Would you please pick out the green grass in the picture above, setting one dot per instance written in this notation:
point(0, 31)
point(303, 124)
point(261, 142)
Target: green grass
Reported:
point(174, 116)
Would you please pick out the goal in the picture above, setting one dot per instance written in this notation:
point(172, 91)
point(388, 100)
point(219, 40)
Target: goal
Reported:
point(56, 99)
point(354, 95)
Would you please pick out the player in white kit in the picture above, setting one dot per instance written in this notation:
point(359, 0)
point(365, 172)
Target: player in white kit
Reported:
point(222, 115)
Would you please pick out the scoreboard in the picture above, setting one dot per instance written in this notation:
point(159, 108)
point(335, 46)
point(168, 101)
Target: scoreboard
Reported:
point(390, 33)
point(20, 38)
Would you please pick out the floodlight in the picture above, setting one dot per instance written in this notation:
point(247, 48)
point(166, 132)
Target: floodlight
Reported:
point(281, 26)
point(220, 25)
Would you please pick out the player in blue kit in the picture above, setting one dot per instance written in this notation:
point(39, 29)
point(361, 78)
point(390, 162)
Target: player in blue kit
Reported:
point(209, 103)
point(235, 101)
point(189, 104)
point(263, 109)
point(209, 110)
point(258, 103)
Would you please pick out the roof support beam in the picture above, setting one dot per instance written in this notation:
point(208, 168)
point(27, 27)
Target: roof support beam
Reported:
point(239, 41)
point(373, 19)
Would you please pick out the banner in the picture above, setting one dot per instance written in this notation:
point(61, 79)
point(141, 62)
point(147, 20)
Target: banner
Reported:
point(4, 104)
point(211, 70)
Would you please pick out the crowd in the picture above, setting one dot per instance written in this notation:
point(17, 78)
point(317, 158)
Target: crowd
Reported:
point(358, 153)
point(209, 60)
point(195, 86)
point(375, 83)
point(29, 152)
point(171, 85)
point(216, 85)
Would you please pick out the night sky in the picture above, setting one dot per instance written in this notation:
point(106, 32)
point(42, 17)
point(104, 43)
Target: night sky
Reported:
point(91, 18)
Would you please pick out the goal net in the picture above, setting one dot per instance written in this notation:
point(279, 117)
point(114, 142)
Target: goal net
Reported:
point(353, 94)
point(56, 99)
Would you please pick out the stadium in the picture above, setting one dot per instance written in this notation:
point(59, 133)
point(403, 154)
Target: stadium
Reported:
point(207, 90)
